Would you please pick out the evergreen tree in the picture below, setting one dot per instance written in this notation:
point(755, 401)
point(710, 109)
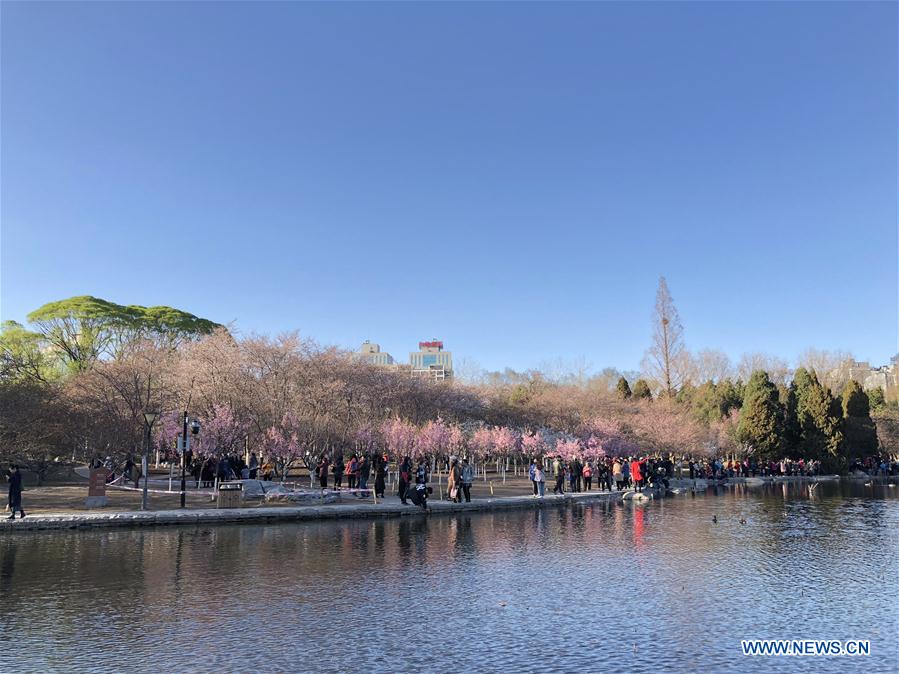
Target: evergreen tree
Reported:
point(729, 396)
point(760, 424)
point(859, 428)
point(706, 403)
point(686, 394)
point(623, 389)
point(792, 432)
point(876, 398)
point(641, 390)
point(820, 424)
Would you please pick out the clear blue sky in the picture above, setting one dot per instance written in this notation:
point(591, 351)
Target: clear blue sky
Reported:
point(510, 178)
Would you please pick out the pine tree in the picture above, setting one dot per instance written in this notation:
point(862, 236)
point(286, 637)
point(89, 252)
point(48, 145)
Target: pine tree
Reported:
point(623, 389)
point(859, 428)
point(760, 424)
point(641, 390)
point(820, 423)
point(792, 433)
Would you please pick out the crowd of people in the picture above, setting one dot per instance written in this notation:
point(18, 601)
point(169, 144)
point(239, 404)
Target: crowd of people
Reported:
point(573, 475)
point(610, 474)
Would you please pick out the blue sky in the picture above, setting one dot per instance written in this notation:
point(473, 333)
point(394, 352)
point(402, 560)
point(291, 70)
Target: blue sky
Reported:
point(510, 178)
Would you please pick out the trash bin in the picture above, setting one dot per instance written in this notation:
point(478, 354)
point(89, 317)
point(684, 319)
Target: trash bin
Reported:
point(229, 494)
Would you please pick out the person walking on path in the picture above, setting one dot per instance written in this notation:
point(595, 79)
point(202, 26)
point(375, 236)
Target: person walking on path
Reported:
point(618, 475)
point(322, 470)
point(421, 472)
point(350, 472)
point(380, 476)
point(467, 479)
point(532, 469)
point(454, 482)
point(540, 480)
point(337, 469)
point(560, 478)
point(405, 479)
point(637, 475)
point(588, 476)
point(15, 491)
point(254, 465)
point(363, 471)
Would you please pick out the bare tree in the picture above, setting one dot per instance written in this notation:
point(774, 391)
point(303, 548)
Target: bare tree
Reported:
point(777, 368)
point(832, 367)
point(664, 360)
point(710, 365)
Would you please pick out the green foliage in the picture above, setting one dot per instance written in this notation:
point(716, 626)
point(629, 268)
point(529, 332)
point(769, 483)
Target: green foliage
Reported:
point(712, 402)
point(876, 399)
point(859, 428)
point(686, 394)
point(623, 389)
point(855, 400)
point(23, 356)
point(519, 395)
point(760, 424)
point(820, 422)
point(81, 330)
point(641, 390)
point(792, 432)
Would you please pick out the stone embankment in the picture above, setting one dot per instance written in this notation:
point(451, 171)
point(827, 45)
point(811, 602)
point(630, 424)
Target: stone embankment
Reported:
point(271, 514)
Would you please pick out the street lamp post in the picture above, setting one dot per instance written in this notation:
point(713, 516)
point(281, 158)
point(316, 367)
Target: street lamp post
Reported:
point(194, 429)
point(150, 418)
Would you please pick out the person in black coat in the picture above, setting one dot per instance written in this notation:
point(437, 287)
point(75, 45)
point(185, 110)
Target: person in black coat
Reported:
point(380, 466)
point(15, 491)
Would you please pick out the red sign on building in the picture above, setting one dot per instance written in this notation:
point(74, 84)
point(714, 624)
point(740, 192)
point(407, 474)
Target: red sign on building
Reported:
point(430, 345)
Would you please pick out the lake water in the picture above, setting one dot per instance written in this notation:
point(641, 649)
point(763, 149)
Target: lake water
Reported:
point(606, 587)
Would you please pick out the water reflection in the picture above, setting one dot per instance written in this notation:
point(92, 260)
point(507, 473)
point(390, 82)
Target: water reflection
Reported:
point(500, 591)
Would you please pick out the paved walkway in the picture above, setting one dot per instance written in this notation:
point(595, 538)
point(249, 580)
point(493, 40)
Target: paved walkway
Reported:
point(347, 507)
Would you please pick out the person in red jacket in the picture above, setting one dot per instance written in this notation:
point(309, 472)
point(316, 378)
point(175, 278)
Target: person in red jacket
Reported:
point(637, 474)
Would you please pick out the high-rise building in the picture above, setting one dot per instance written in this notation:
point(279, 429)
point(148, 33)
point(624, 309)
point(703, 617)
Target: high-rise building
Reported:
point(432, 361)
point(371, 353)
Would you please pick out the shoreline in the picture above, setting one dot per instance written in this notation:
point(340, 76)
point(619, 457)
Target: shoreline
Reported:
point(84, 520)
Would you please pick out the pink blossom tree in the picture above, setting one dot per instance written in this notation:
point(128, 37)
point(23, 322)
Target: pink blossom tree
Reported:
point(433, 439)
point(282, 445)
point(222, 432)
point(569, 448)
point(505, 442)
point(533, 443)
point(400, 437)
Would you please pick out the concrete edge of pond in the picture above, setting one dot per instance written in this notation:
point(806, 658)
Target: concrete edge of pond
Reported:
point(272, 514)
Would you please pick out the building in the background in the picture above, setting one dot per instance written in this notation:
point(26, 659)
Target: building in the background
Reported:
point(432, 361)
point(371, 353)
point(884, 376)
